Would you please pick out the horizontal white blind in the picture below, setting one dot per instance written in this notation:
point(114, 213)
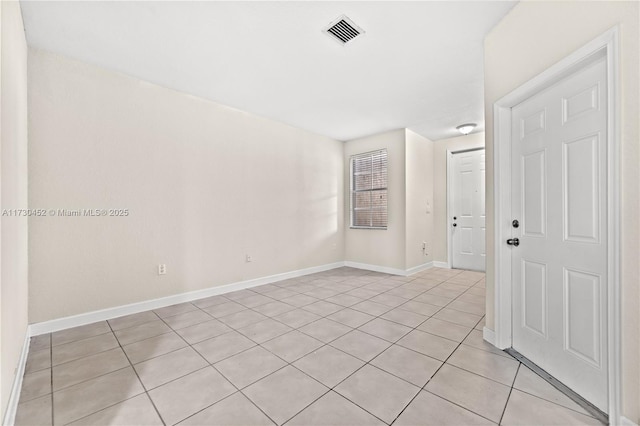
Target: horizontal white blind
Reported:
point(369, 190)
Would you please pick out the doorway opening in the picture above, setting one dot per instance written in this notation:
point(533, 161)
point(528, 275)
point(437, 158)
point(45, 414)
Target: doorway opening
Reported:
point(466, 213)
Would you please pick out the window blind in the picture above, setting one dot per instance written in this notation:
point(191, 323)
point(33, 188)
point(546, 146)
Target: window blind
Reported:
point(369, 190)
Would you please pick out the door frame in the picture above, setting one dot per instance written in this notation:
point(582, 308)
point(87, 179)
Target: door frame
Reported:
point(606, 45)
point(450, 154)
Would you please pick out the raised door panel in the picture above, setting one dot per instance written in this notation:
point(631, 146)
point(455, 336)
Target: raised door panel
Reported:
point(534, 189)
point(582, 315)
point(534, 296)
point(581, 190)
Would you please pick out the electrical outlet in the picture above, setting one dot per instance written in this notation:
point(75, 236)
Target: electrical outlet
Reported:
point(162, 269)
point(249, 258)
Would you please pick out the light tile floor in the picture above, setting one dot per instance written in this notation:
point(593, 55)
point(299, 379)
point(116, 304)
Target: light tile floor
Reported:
point(342, 347)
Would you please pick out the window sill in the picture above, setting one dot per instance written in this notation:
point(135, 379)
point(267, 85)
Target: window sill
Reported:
point(369, 227)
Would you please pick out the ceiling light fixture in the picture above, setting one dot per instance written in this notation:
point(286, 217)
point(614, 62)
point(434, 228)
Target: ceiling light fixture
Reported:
point(465, 129)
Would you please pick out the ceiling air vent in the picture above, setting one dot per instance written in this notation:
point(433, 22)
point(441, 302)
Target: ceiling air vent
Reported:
point(344, 30)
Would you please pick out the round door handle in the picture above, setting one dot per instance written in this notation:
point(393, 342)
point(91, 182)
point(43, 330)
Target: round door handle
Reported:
point(455, 224)
point(513, 242)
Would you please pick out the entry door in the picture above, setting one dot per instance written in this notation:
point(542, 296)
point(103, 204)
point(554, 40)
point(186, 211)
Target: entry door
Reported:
point(559, 193)
point(467, 215)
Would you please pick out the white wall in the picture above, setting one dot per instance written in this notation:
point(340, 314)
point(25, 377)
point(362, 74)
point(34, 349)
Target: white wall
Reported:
point(205, 185)
point(374, 246)
point(440, 224)
point(419, 168)
point(531, 38)
point(13, 194)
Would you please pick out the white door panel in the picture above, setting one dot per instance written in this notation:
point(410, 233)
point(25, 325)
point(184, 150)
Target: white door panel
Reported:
point(534, 292)
point(582, 189)
point(559, 270)
point(468, 209)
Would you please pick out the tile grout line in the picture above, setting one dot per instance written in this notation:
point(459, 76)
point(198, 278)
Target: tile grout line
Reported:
point(166, 353)
point(413, 329)
point(423, 388)
point(79, 340)
point(373, 366)
point(293, 366)
point(402, 283)
point(504, 410)
point(287, 363)
point(137, 376)
point(246, 308)
point(51, 355)
point(218, 371)
point(325, 344)
point(108, 406)
point(174, 330)
point(445, 361)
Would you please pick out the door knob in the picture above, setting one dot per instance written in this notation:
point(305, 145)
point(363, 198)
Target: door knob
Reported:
point(455, 224)
point(513, 242)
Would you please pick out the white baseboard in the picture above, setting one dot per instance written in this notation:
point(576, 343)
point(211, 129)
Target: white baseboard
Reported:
point(627, 422)
point(439, 264)
point(14, 397)
point(419, 268)
point(133, 308)
point(489, 335)
point(375, 268)
point(387, 269)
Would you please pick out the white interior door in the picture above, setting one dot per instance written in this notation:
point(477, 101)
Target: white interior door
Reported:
point(467, 212)
point(559, 193)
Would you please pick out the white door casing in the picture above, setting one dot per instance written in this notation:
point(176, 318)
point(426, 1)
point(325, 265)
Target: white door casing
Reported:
point(604, 46)
point(467, 210)
point(559, 270)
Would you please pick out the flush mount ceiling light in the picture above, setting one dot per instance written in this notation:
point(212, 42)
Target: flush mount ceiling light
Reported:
point(465, 129)
point(343, 30)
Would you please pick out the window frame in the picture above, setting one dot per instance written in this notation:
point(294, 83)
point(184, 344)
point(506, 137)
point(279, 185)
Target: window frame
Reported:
point(352, 191)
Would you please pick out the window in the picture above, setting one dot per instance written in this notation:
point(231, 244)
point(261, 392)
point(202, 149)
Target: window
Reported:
point(369, 190)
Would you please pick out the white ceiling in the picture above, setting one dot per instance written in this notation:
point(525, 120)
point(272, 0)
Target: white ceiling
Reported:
point(419, 65)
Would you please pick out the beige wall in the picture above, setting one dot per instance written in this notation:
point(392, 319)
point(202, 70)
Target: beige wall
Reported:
point(205, 185)
point(13, 194)
point(373, 246)
point(419, 199)
point(410, 196)
point(531, 38)
point(440, 226)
